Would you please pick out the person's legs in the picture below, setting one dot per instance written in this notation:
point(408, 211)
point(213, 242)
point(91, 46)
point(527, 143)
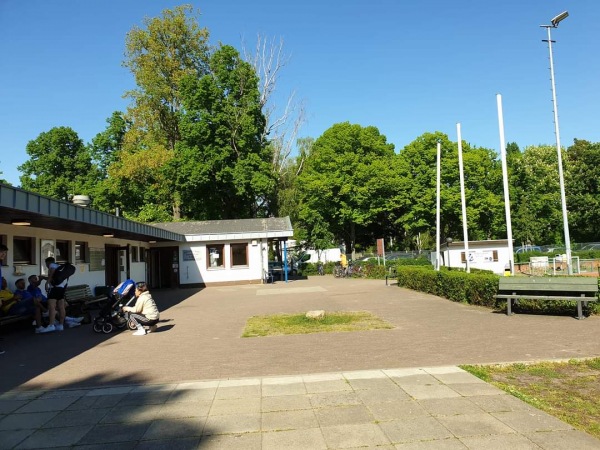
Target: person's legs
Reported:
point(61, 311)
point(140, 321)
point(51, 312)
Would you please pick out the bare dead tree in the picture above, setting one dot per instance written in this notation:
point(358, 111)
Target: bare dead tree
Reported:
point(282, 126)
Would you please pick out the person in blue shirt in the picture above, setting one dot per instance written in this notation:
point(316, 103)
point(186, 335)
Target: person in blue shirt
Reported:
point(41, 301)
point(25, 305)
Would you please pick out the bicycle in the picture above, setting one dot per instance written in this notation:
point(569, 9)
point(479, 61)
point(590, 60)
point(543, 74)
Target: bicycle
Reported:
point(320, 269)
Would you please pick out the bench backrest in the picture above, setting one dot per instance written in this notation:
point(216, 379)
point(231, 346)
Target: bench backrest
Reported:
point(78, 291)
point(567, 285)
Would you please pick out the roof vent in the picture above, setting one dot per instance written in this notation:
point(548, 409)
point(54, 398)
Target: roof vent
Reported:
point(81, 200)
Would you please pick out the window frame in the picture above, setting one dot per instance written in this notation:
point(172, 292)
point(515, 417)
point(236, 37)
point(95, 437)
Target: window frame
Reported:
point(135, 254)
point(84, 252)
point(29, 250)
point(59, 246)
point(222, 257)
point(246, 254)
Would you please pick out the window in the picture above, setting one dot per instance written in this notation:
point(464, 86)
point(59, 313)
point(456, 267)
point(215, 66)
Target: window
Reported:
point(143, 254)
point(23, 250)
point(134, 254)
point(82, 253)
point(215, 256)
point(239, 255)
point(63, 251)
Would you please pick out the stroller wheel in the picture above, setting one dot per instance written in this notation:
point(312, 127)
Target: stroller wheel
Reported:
point(98, 326)
point(107, 328)
point(131, 325)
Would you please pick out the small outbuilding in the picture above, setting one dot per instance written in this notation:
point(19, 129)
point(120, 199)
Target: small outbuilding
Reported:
point(492, 254)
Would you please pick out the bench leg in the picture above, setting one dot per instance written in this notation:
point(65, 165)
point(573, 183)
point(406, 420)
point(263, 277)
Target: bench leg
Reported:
point(579, 310)
point(508, 306)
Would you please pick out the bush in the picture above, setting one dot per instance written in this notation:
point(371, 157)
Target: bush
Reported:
point(475, 288)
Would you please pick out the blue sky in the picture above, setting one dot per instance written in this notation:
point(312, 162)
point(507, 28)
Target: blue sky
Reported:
point(405, 67)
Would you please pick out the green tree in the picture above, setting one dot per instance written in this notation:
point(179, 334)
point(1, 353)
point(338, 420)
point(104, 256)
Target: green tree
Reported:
point(59, 165)
point(170, 48)
point(537, 217)
point(483, 191)
point(221, 166)
point(582, 187)
point(105, 146)
point(346, 185)
point(160, 55)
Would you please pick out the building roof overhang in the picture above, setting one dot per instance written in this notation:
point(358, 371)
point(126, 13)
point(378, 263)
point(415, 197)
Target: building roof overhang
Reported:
point(44, 212)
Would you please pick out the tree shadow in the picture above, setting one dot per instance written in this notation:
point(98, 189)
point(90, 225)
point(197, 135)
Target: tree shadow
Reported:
point(29, 355)
point(127, 414)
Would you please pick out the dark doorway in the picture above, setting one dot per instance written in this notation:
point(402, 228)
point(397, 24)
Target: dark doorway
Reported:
point(116, 267)
point(163, 267)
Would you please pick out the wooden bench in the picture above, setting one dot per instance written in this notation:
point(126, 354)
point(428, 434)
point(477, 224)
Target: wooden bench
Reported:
point(5, 320)
point(579, 289)
point(392, 273)
point(81, 295)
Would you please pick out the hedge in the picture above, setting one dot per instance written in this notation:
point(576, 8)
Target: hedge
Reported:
point(478, 288)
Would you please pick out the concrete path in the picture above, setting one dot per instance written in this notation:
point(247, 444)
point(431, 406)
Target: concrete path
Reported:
point(196, 384)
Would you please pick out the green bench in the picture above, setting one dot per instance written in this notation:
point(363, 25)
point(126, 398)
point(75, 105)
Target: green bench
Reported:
point(579, 289)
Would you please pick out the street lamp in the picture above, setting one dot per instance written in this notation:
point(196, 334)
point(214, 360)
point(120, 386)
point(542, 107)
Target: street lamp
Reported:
point(448, 242)
point(554, 23)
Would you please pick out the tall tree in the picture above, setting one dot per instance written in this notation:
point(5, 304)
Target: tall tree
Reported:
point(537, 215)
point(582, 187)
point(160, 56)
point(221, 167)
point(483, 191)
point(347, 183)
point(59, 165)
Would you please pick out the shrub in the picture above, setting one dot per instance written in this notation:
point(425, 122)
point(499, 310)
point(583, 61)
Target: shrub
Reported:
point(474, 288)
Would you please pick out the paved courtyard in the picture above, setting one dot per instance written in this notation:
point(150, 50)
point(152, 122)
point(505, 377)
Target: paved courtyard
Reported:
point(197, 384)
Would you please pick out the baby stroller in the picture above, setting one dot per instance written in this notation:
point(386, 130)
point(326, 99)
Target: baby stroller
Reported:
point(111, 316)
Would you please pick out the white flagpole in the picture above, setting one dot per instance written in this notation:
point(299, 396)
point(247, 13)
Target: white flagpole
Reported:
point(462, 197)
point(505, 183)
point(437, 218)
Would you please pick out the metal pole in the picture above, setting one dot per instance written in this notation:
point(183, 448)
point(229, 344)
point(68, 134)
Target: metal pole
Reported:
point(462, 197)
point(561, 180)
point(437, 218)
point(505, 183)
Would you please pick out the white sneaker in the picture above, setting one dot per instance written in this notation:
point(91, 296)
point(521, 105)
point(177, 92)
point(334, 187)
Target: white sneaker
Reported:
point(72, 324)
point(48, 329)
point(139, 333)
point(59, 327)
point(39, 330)
point(73, 319)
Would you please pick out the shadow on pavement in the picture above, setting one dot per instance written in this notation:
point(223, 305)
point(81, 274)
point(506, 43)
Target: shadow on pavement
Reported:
point(127, 415)
point(29, 355)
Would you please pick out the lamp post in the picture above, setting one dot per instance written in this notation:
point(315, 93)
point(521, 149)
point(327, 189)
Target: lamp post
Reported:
point(448, 242)
point(554, 23)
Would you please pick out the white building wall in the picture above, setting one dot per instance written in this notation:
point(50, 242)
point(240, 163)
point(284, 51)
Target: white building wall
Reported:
point(83, 275)
point(481, 257)
point(195, 268)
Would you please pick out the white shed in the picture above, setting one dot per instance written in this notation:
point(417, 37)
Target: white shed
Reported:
point(492, 254)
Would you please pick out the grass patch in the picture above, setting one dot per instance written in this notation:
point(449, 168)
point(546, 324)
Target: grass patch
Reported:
point(569, 391)
point(333, 322)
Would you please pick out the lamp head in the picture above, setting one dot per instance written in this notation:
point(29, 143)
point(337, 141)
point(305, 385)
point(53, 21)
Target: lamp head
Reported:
point(562, 16)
